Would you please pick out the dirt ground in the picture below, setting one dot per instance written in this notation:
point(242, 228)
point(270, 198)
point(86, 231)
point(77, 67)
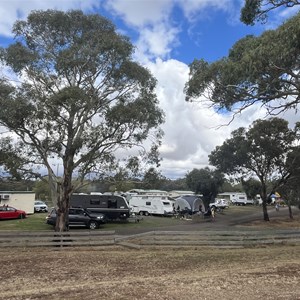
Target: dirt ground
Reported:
point(198, 273)
point(271, 272)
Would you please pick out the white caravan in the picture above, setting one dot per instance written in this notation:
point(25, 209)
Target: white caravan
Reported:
point(150, 205)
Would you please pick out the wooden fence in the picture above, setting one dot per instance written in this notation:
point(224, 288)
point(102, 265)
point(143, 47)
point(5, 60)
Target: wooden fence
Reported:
point(98, 238)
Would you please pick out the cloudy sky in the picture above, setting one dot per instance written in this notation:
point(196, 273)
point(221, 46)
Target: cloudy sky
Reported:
point(169, 35)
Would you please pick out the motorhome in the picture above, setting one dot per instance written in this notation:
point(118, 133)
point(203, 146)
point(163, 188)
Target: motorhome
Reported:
point(112, 206)
point(147, 204)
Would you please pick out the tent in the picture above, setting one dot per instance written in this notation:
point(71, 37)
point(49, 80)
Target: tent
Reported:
point(188, 204)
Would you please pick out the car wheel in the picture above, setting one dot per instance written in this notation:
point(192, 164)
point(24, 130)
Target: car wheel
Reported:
point(93, 225)
point(21, 216)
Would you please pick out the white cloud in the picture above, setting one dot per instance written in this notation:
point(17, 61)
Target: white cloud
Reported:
point(192, 8)
point(156, 41)
point(192, 130)
point(139, 13)
point(12, 10)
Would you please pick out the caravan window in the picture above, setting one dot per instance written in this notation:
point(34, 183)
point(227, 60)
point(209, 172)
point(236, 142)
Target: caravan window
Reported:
point(95, 201)
point(148, 203)
point(166, 203)
point(112, 204)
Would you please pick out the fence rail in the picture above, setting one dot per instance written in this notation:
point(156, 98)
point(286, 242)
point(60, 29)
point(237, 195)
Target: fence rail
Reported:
point(149, 239)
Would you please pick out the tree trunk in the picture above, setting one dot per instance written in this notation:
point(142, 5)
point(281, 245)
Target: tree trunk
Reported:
point(63, 201)
point(290, 212)
point(265, 210)
point(53, 186)
point(62, 213)
point(264, 199)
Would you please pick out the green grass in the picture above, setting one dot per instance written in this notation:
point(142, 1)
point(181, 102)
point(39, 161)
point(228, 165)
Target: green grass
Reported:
point(34, 222)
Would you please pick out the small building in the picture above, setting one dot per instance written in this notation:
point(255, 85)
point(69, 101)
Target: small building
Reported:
point(18, 199)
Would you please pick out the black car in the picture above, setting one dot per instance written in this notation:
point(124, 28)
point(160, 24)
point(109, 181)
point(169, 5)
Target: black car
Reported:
point(79, 217)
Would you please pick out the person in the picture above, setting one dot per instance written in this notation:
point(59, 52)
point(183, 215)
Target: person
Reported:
point(212, 213)
point(277, 207)
point(200, 208)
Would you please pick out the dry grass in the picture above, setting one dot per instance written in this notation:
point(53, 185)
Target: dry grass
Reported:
point(281, 222)
point(198, 273)
point(271, 272)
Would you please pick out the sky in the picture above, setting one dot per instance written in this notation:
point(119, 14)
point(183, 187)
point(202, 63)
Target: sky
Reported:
point(168, 35)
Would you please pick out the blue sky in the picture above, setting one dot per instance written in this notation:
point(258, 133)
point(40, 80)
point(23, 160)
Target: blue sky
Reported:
point(169, 35)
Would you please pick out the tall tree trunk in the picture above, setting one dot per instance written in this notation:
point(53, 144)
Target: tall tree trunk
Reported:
point(264, 199)
point(290, 212)
point(63, 201)
point(54, 189)
point(265, 210)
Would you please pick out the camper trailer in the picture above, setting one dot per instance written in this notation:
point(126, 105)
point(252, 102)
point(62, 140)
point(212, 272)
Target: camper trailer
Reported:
point(150, 204)
point(114, 207)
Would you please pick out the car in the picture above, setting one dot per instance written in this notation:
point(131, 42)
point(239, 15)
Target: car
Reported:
point(40, 206)
point(219, 204)
point(79, 217)
point(8, 212)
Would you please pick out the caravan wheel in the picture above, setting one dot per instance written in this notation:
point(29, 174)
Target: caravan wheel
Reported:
point(140, 213)
point(146, 213)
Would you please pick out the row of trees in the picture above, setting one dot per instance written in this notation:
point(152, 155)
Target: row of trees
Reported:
point(76, 98)
point(260, 70)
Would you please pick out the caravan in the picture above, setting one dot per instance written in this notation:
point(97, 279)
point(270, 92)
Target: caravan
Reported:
point(114, 207)
point(150, 204)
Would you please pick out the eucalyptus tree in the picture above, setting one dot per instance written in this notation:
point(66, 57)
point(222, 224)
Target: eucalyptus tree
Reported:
point(290, 191)
point(80, 102)
point(266, 151)
point(262, 70)
point(206, 182)
point(258, 10)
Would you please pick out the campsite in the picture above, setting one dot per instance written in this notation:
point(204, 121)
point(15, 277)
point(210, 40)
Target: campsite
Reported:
point(257, 272)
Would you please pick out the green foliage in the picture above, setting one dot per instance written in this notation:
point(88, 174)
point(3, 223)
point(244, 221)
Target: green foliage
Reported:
point(81, 99)
point(206, 182)
point(257, 10)
point(266, 151)
point(257, 69)
point(41, 189)
point(8, 184)
point(152, 179)
point(261, 150)
point(252, 187)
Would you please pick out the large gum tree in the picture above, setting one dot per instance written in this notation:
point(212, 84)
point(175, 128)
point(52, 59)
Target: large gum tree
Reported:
point(261, 70)
point(268, 150)
point(79, 99)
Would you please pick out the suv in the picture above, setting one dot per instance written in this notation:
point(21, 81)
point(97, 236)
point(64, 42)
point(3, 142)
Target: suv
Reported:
point(40, 206)
point(219, 204)
point(79, 217)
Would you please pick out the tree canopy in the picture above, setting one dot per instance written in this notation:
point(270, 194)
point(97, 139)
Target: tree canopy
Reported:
point(79, 101)
point(257, 10)
point(263, 69)
point(206, 182)
point(267, 151)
